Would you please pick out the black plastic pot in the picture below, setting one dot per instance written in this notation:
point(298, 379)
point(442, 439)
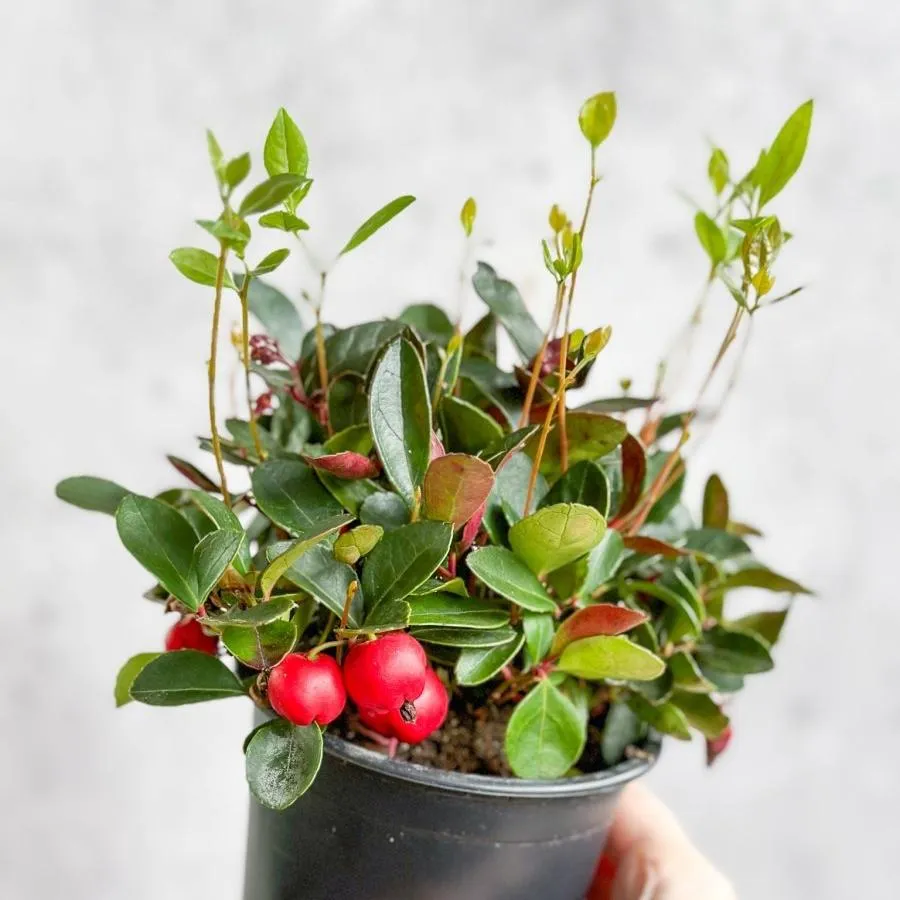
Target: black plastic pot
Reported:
point(372, 828)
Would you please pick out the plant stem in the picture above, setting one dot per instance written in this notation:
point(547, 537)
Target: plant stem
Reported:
point(542, 443)
point(211, 371)
point(245, 354)
point(321, 358)
point(541, 354)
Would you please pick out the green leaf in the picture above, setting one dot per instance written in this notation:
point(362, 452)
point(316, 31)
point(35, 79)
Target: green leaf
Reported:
point(162, 541)
point(767, 625)
point(400, 417)
point(556, 535)
point(466, 427)
point(283, 221)
point(216, 157)
point(271, 262)
point(236, 170)
point(780, 162)
point(766, 579)
point(226, 520)
point(128, 673)
point(610, 657)
point(376, 221)
point(665, 717)
point(621, 730)
point(599, 619)
point(447, 610)
point(701, 713)
point(477, 665)
point(505, 574)
point(184, 676)
point(437, 586)
point(385, 509)
point(538, 628)
point(602, 563)
point(260, 614)
point(684, 600)
point(87, 492)
point(597, 117)
point(263, 646)
point(277, 314)
point(198, 265)
point(584, 483)
point(285, 148)
point(511, 487)
point(711, 238)
point(388, 616)
point(270, 193)
point(481, 338)
point(456, 487)
point(465, 637)
point(211, 557)
point(715, 543)
point(718, 170)
point(733, 652)
point(591, 435)
point(318, 573)
point(687, 675)
point(354, 349)
point(507, 305)
point(279, 566)
point(290, 494)
point(403, 560)
point(282, 761)
point(430, 322)
point(546, 734)
point(715, 503)
point(502, 451)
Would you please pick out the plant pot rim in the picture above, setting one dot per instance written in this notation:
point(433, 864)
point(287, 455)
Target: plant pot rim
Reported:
point(495, 785)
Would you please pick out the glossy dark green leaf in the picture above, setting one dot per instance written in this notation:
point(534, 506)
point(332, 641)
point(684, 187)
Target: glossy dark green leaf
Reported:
point(260, 614)
point(211, 557)
point(687, 675)
point(767, 625)
point(193, 474)
point(385, 509)
point(285, 149)
point(128, 673)
point(263, 646)
point(617, 404)
point(666, 717)
point(621, 730)
point(87, 492)
point(507, 575)
point(481, 339)
point(591, 435)
point(465, 637)
point(282, 761)
point(353, 349)
point(701, 713)
point(290, 494)
point(765, 579)
point(184, 676)
point(390, 615)
point(437, 585)
point(780, 162)
point(348, 403)
point(507, 305)
point(511, 488)
point(715, 543)
point(546, 734)
point(277, 314)
point(682, 599)
point(226, 520)
point(733, 652)
point(430, 322)
point(449, 610)
point(400, 417)
point(270, 193)
point(278, 567)
point(610, 657)
point(715, 504)
point(318, 573)
point(377, 221)
point(403, 560)
point(500, 452)
point(467, 428)
point(556, 535)
point(670, 499)
point(162, 541)
point(602, 563)
point(583, 483)
point(477, 665)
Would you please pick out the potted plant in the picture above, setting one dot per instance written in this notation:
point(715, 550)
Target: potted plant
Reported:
point(466, 605)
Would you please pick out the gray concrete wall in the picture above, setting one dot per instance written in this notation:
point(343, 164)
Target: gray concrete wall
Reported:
point(103, 169)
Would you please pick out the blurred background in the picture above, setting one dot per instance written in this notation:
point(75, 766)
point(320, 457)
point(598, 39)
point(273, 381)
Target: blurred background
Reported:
point(104, 170)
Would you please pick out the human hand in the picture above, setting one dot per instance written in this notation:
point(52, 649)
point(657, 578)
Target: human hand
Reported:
point(649, 857)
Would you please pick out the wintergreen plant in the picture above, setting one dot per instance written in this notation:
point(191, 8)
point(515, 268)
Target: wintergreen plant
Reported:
point(402, 480)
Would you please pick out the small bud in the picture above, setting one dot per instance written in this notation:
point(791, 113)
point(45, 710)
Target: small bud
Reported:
point(265, 350)
point(467, 215)
point(597, 117)
point(558, 219)
point(625, 384)
point(263, 404)
point(356, 543)
point(596, 341)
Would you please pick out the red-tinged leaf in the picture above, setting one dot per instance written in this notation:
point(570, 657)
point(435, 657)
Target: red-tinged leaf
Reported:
point(437, 448)
point(347, 465)
point(649, 546)
point(715, 504)
point(717, 746)
point(600, 619)
point(470, 530)
point(456, 487)
point(634, 470)
point(194, 475)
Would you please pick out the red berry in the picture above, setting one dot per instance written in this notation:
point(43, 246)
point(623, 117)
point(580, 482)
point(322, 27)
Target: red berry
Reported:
point(304, 690)
point(430, 710)
point(377, 720)
point(385, 673)
point(188, 634)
